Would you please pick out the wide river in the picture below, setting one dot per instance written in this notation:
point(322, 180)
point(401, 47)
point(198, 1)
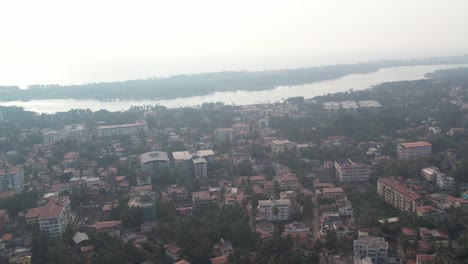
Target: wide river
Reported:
point(352, 81)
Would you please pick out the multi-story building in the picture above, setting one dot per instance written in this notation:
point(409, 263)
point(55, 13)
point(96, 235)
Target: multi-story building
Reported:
point(207, 154)
point(143, 178)
point(155, 162)
point(289, 182)
point(52, 218)
point(52, 136)
point(445, 183)
point(375, 248)
point(414, 150)
point(348, 171)
point(145, 198)
point(183, 162)
point(140, 127)
point(430, 173)
point(398, 195)
point(11, 178)
point(75, 131)
point(281, 146)
point(200, 168)
point(274, 210)
point(222, 135)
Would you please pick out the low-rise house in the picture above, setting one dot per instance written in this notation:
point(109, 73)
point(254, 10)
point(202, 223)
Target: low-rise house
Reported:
point(203, 199)
point(410, 234)
point(112, 228)
point(173, 251)
point(222, 248)
point(430, 212)
point(219, 260)
point(331, 193)
point(4, 219)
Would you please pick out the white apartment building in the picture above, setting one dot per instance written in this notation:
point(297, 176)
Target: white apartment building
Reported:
point(430, 173)
point(348, 171)
point(200, 169)
point(53, 136)
point(122, 130)
point(414, 150)
point(375, 248)
point(275, 210)
point(11, 178)
point(52, 218)
point(445, 183)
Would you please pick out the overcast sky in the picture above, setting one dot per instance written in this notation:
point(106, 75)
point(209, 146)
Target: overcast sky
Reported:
point(102, 40)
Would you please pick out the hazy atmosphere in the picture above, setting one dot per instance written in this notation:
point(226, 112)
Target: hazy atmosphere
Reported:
point(91, 41)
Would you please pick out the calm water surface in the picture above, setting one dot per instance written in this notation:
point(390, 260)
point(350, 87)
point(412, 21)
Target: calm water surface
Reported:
point(352, 81)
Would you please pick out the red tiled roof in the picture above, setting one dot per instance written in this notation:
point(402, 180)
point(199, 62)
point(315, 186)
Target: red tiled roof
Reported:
point(333, 190)
point(173, 249)
point(289, 178)
point(119, 178)
point(219, 260)
point(400, 188)
point(108, 224)
point(416, 144)
point(182, 262)
point(257, 178)
point(53, 208)
point(7, 236)
point(408, 231)
point(6, 194)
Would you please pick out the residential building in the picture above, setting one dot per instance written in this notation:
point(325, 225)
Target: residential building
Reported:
point(445, 182)
point(207, 154)
point(203, 199)
point(289, 182)
point(11, 178)
point(200, 168)
point(143, 197)
point(430, 173)
point(183, 162)
point(281, 146)
point(52, 218)
point(4, 219)
point(375, 248)
point(398, 195)
point(332, 193)
point(430, 212)
point(52, 136)
point(173, 251)
point(135, 129)
point(222, 248)
point(155, 162)
point(143, 178)
point(222, 135)
point(274, 210)
point(414, 150)
point(348, 171)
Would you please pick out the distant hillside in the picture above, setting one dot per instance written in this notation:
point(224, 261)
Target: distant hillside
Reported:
point(206, 83)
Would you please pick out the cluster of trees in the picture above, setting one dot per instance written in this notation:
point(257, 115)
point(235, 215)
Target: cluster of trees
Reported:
point(106, 250)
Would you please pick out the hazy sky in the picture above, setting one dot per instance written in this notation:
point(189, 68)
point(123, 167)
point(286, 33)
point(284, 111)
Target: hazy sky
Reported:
point(85, 41)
